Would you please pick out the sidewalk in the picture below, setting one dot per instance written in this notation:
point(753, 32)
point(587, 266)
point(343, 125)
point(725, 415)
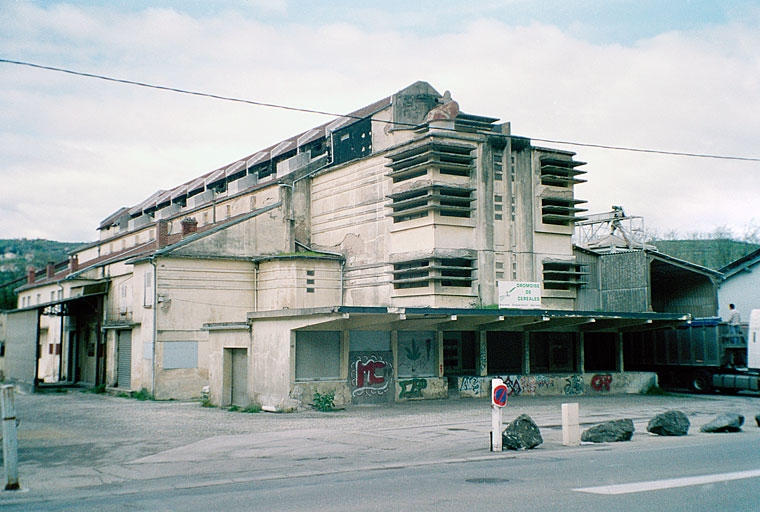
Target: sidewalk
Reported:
point(84, 444)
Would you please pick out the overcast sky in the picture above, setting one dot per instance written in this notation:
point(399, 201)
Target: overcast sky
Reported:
point(680, 76)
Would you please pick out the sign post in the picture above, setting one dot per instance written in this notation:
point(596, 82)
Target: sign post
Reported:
point(499, 396)
point(10, 441)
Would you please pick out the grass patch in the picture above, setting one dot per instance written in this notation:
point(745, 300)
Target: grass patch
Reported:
point(98, 390)
point(253, 408)
point(656, 391)
point(143, 394)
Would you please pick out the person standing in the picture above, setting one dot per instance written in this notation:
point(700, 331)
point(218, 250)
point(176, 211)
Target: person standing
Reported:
point(734, 322)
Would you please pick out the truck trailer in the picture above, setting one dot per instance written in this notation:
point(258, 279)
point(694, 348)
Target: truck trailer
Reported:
point(702, 354)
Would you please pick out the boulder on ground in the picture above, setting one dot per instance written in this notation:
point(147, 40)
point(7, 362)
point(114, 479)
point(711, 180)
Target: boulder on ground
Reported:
point(609, 432)
point(669, 423)
point(757, 420)
point(521, 434)
point(726, 422)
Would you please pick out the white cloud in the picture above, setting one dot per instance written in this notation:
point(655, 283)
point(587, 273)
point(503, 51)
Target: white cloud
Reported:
point(115, 144)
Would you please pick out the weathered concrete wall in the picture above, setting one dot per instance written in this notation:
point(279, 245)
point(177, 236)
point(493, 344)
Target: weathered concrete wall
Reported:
point(558, 385)
point(191, 293)
point(349, 217)
point(303, 392)
point(298, 283)
point(221, 338)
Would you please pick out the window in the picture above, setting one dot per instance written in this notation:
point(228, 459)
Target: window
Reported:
point(563, 275)
point(456, 272)
point(561, 211)
point(498, 165)
point(353, 141)
point(460, 352)
point(560, 172)
point(552, 352)
point(148, 289)
point(317, 355)
point(447, 201)
point(442, 157)
point(180, 354)
point(504, 352)
point(600, 351)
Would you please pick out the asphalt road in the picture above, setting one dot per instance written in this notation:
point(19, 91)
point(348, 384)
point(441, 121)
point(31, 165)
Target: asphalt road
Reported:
point(84, 450)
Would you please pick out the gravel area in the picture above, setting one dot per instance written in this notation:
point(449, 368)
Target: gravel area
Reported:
point(120, 429)
point(75, 439)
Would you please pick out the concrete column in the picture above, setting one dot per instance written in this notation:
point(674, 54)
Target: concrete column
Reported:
point(483, 353)
point(620, 362)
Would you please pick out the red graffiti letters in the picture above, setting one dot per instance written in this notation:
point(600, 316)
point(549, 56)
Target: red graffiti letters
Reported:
point(366, 371)
point(601, 382)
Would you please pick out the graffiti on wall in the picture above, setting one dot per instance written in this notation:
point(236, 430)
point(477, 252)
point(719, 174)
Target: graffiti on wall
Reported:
point(575, 385)
point(412, 388)
point(471, 384)
point(370, 374)
point(417, 354)
point(533, 383)
point(514, 387)
point(601, 382)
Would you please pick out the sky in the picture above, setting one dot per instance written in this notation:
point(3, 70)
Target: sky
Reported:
point(668, 77)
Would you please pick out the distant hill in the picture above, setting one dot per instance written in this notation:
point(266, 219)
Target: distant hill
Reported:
point(17, 254)
point(711, 253)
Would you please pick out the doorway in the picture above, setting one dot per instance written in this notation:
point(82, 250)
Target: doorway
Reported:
point(235, 386)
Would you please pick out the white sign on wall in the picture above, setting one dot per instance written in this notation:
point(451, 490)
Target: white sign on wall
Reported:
point(516, 294)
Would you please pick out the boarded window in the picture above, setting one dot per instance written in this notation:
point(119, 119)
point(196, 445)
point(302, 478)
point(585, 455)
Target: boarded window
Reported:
point(417, 354)
point(317, 355)
point(180, 354)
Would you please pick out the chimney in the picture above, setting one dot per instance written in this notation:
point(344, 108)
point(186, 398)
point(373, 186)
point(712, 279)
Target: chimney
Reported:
point(189, 226)
point(73, 263)
point(163, 233)
point(50, 270)
point(30, 275)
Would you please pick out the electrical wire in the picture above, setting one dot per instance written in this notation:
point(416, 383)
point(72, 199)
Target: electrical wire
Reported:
point(332, 114)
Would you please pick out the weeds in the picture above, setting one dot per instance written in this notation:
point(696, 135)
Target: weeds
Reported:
point(324, 402)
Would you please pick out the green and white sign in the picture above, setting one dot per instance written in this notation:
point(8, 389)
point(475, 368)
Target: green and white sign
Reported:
point(516, 294)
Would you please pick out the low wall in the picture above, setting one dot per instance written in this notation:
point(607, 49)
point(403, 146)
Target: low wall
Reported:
point(560, 384)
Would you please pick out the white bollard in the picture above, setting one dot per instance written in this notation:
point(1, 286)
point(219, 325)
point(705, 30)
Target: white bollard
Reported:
point(496, 422)
point(10, 440)
point(571, 431)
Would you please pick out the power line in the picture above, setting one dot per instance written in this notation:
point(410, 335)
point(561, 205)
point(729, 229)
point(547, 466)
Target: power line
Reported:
point(332, 114)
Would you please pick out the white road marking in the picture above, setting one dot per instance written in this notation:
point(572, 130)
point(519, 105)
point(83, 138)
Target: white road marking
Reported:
point(654, 485)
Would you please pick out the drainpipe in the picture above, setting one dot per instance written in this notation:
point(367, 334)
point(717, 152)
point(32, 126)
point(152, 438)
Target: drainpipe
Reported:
point(155, 326)
point(342, 268)
point(255, 285)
